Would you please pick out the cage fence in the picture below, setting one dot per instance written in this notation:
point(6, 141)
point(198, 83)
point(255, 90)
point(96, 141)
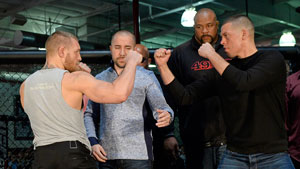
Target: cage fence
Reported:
point(16, 149)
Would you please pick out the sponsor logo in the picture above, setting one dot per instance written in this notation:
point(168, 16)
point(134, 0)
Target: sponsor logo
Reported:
point(202, 65)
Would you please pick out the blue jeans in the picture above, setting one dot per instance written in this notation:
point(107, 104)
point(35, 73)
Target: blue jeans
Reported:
point(126, 164)
point(233, 160)
point(212, 156)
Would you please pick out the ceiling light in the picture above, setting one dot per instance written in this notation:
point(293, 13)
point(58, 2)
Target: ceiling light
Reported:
point(187, 18)
point(287, 39)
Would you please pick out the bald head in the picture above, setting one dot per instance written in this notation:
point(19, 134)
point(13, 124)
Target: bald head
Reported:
point(205, 13)
point(143, 50)
point(122, 33)
point(58, 39)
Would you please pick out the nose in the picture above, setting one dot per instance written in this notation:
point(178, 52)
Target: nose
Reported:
point(222, 41)
point(204, 30)
point(79, 58)
point(123, 52)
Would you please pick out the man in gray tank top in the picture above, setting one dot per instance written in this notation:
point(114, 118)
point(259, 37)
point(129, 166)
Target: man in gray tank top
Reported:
point(52, 99)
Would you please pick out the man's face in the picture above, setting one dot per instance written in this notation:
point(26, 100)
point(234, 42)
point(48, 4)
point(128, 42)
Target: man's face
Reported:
point(231, 40)
point(206, 28)
point(73, 58)
point(119, 48)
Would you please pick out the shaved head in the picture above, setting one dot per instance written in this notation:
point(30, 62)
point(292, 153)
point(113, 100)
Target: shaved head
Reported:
point(122, 33)
point(57, 39)
point(143, 50)
point(241, 22)
point(205, 12)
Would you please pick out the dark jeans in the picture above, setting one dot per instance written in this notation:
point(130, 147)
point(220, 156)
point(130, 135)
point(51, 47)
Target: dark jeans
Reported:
point(126, 164)
point(212, 156)
point(233, 160)
point(200, 157)
point(63, 155)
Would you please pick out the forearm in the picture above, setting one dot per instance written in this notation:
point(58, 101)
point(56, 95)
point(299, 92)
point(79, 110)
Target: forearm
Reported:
point(124, 83)
point(219, 63)
point(166, 74)
point(89, 125)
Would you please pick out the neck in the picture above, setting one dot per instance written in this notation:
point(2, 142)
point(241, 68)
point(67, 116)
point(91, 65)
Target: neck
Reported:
point(249, 50)
point(52, 63)
point(118, 69)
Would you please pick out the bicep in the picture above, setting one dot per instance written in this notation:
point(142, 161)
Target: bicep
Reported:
point(96, 90)
point(101, 91)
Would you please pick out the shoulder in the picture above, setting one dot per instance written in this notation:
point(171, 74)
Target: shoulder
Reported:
point(104, 73)
point(76, 78)
point(140, 71)
point(271, 53)
point(183, 46)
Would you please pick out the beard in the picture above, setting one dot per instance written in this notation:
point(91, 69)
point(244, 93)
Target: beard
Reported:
point(205, 36)
point(70, 64)
point(118, 64)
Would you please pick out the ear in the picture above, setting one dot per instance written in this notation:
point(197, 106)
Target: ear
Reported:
point(245, 34)
point(217, 24)
point(61, 51)
point(110, 48)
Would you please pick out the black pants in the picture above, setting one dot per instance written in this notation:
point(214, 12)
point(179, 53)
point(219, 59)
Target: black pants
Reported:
point(63, 155)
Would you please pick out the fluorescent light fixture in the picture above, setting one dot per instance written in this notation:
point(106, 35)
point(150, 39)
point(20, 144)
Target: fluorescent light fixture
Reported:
point(152, 65)
point(187, 18)
point(287, 39)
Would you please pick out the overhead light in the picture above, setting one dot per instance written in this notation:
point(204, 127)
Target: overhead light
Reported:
point(287, 39)
point(187, 18)
point(152, 65)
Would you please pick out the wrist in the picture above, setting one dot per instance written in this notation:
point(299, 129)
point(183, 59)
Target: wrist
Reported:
point(93, 141)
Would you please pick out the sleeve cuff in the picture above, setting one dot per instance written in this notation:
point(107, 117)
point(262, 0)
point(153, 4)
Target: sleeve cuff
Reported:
point(93, 141)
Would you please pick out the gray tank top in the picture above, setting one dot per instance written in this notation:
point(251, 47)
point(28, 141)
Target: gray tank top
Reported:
point(52, 119)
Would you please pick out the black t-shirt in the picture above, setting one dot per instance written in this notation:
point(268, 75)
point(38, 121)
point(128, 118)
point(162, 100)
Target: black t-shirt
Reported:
point(252, 97)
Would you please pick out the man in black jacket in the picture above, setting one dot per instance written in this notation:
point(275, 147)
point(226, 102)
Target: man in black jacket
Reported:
point(201, 125)
point(251, 87)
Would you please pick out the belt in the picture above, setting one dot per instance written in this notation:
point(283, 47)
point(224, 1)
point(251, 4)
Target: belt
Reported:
point(214, 144)
point(70, 144)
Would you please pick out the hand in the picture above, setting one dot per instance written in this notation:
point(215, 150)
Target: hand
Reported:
point(164, 118)
point(99, 153)
point(171, 146)
point(134, 56)
point(206, 50)
point(162, 56)
point(84, 67)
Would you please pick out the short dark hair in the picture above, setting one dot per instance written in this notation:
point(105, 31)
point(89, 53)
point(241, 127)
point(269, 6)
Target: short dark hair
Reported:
point(241, 21)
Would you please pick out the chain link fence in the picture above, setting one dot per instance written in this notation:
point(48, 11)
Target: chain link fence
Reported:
point(16, 136)
point(16, 149)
